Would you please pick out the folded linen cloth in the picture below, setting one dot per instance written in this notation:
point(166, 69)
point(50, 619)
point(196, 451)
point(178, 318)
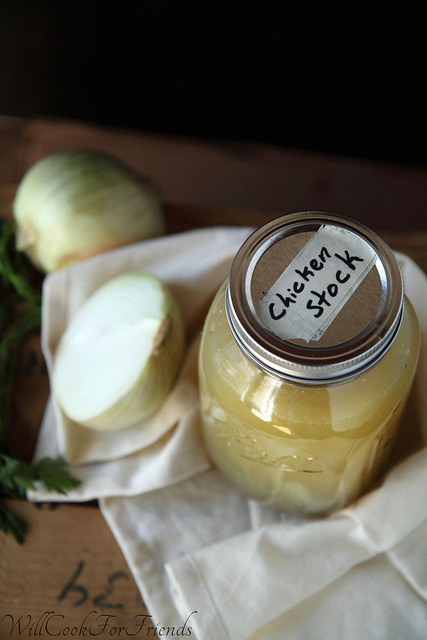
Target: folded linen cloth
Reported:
point(209, 562)
point(165, 448)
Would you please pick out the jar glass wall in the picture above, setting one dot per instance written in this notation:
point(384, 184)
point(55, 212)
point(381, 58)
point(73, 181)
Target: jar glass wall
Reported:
point(299, 447)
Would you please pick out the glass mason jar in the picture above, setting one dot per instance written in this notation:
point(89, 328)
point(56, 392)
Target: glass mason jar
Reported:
point(308, 355)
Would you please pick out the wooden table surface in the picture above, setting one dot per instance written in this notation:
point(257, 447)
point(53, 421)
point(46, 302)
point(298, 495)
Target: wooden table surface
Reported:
point(70, 575)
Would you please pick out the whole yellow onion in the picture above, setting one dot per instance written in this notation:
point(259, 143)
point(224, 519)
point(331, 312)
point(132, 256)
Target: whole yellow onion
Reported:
point(77, 203)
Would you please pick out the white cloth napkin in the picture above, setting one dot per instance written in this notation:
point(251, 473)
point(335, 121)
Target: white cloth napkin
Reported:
point(209, 562)
point(165, 448)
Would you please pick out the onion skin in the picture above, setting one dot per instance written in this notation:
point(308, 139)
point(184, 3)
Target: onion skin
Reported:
point(74, 204)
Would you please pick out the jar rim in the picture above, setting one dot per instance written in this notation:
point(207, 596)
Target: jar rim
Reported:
point(311, 361)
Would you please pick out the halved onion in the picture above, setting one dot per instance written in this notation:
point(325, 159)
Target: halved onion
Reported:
point(120, 354)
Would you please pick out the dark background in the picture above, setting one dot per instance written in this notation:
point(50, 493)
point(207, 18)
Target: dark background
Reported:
point(335, 77)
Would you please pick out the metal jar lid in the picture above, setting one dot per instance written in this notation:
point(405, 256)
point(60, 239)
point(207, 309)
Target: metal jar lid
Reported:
point(314, 297)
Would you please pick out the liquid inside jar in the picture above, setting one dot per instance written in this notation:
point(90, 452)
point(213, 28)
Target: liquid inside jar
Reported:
point(298, 447)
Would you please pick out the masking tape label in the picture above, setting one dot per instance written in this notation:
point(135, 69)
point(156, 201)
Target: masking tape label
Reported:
point(315, 286)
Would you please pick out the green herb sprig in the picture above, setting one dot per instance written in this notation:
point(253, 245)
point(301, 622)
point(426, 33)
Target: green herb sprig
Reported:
point(20, 314)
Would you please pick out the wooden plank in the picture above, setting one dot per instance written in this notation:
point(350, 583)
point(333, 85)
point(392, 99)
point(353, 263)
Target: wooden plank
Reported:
point(7, 193)
point(244, 175)
point(69, 574)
